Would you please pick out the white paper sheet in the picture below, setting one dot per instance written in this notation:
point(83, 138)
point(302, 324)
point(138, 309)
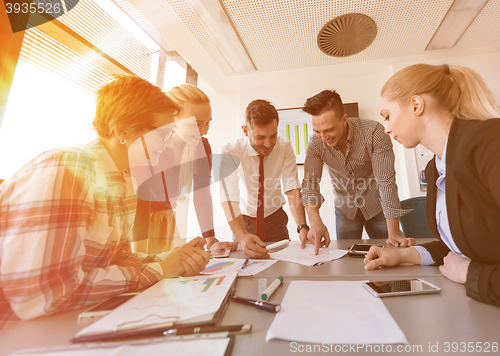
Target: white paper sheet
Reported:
point(256, 266)
point(306, 256)
point(197, 347)
point(176, 299)
point(337, 312)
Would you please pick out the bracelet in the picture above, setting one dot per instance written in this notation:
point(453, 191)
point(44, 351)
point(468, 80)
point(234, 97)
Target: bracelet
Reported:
point(300, 227)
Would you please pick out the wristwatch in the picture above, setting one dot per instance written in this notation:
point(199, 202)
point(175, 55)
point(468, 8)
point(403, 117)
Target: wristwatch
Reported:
point(303, 226)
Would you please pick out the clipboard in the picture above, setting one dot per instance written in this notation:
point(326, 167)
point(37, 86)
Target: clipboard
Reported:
point(230, 346)
point(157, 329)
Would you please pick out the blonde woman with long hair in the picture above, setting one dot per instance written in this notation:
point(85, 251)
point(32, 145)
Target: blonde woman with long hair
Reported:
point(449, 110)
point(187, 168)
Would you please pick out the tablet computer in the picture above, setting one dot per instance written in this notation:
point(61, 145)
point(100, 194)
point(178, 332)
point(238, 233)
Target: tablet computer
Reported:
point(220, 253)
point(400, 287)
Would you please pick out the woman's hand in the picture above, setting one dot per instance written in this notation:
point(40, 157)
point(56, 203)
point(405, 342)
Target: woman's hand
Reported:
point(455, 268)
point(224, 245)
point(214, 244)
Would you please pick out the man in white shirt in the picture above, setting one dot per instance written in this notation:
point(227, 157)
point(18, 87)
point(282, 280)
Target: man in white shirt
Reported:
point(261, 151)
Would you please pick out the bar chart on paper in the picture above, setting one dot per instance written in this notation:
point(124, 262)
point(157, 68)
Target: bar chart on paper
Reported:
point(294, 126)
point(207, 282)
point(216, 266)
point(210, 281)
point(252, 267)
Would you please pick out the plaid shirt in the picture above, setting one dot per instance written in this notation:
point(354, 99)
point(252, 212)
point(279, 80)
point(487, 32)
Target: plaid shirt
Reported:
point(364, 178)
point(65, 232)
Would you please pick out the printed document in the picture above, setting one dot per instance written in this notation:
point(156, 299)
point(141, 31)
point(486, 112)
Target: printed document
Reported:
point(306, 256)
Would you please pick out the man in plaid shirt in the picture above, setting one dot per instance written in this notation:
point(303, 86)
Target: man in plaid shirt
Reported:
point(360, 161)
point(66, 216)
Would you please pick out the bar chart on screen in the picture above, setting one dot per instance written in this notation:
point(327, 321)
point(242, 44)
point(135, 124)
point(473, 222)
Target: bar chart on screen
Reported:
point(294, 126)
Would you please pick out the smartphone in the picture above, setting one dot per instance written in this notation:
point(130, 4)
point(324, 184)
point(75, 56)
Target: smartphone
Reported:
point(400, 287)
point(220, 253)
point(107, 306)
point(360, 249)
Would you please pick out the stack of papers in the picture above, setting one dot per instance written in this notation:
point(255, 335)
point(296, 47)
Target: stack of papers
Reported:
point(336, 312)
point(306, 256)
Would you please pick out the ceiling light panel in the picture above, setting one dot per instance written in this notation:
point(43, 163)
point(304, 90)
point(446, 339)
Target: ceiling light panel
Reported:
point(197, 29)
point(281, 34)
point(484, 30)
point(219, 27)
point(456, 21)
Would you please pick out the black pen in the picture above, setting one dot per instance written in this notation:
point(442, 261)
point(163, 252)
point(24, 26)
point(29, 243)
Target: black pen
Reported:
point(273, 308)
point(231, 329)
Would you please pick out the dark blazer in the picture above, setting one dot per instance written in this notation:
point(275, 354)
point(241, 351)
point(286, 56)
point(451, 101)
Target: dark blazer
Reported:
point(473, 203)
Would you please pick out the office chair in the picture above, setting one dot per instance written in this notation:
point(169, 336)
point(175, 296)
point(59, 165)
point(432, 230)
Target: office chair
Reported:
point(415, 223)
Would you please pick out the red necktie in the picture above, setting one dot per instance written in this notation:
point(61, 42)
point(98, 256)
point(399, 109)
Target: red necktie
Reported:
point(260, 206)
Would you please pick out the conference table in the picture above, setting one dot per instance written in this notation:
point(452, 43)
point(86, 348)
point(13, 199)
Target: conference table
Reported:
point(445, 323)
point(346, 268)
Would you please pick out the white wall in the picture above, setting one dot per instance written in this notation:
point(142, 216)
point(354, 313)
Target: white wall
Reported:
point(485, 65)
point(226, 117)
point(229, 107)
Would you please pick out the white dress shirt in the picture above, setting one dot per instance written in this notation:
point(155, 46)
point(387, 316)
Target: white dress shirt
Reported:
point(241, 171)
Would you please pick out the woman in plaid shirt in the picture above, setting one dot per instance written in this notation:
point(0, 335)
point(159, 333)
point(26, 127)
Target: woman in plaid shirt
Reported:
point(66, 216)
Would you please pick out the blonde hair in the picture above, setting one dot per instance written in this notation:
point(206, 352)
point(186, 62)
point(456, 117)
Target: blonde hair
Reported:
point(460, 90)
point(187, 94)
point(181, 95)
point(128, 103)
